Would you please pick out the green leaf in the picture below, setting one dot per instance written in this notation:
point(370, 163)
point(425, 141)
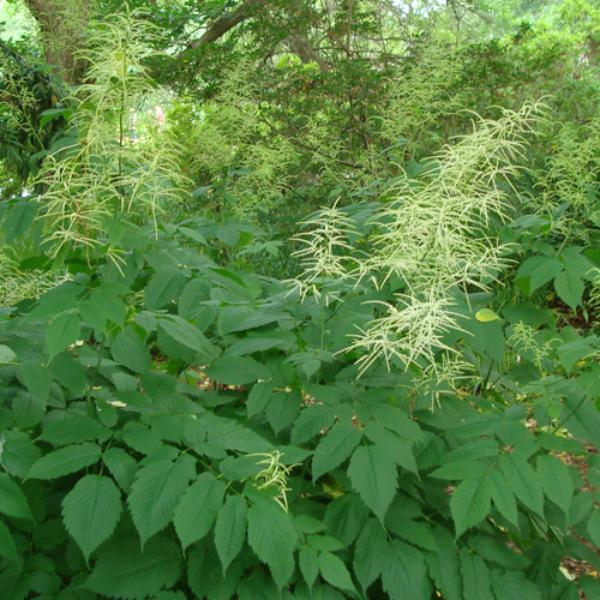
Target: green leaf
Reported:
point(444, 565)
point(19, 219)
point(193, 235)
point(37, 379)
point(236, 370)
point(334, 572)
point(394, 446)
point(198, 509)
point(272, 536)
point(311, 421)
point(91, 511)
point(465, 469)
point(370, 547)
point(64, 461)
point(548, 268)
point(230, 530)
point(122, 467)
point(373, 475)
point(485, 315)
point(581, 418)
point(416, 532)
point(503, 498)
point(258, 398)
point(523, 481)
point(129, 350)
point(593, 527)
point(589, 586)
point(62, 331)
point(123, 571)
point(164, 287)
point(190, 336)
point(309, 565)
point(157, 489)
point(556, 481)
point(470, 503)
point(282, 409)
point(405, 573)
point(262, 342)
point(569, 286)
point(334, 448)
point(8, 548)
point(73, 429)
point(476, 576)
point(512, 584)
point(7, 356)
point(18, 453)
point(345, 517)
point(12, 500)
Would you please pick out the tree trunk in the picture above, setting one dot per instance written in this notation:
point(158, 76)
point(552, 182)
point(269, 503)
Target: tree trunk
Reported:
point(63, 25)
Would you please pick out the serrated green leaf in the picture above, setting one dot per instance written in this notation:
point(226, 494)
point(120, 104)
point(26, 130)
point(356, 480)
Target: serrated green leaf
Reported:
point(64, 461)
point(91, 511)
point(476, 576)
point(374, 476)
point(405, 573)
point(523, 481)
point(8, 548)
point(569, 286)
point(503, 497)
point(258, 398)
point(13, 502)
point(36, 378)
point(334, 572)
point(470, 503)
point(272, 536)
point(309, 565)
point(19, 218)
point(308, 524)
point(157, 489)
point(18, 453)
point(122, 467)
point(593, 527)
point(556, 481)
point(198, 509)
point(334, 448)
point(547, 269)
point(129, 350)
point(393, 445)
point(444, 565)
point(164, 287)
point(282, 409)
point(62, 331)
point(184, 332)
point(282, 340)
point(416, 532)
point(513, 584)
point(370, 547)
point(345, 517)
point(124, 571)
point(465, 469)
point(73, 429)
point(230, 530)
point(581, 418)
point(236, 370)
point(311, 421)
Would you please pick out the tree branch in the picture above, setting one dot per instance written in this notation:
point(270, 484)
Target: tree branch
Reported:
point(224, 24)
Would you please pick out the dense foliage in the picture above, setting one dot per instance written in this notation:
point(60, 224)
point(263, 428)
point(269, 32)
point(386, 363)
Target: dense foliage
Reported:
point(326, 330)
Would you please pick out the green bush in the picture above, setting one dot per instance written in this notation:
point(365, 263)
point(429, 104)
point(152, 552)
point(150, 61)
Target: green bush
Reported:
point(178, 428)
